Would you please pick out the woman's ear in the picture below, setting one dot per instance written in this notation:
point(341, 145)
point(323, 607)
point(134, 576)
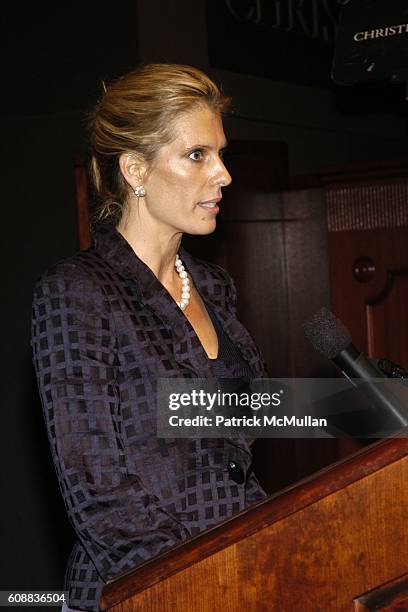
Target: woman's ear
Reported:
point(133, 168)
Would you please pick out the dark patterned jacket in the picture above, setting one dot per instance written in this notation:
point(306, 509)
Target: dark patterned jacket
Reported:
point(104, 330)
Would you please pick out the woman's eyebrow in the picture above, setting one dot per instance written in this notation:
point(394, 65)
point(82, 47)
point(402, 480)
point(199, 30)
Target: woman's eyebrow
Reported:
point(203, 146)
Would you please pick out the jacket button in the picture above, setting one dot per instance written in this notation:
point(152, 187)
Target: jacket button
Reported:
point(236, 472)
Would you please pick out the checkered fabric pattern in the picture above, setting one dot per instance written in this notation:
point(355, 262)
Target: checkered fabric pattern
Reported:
point(104, 330)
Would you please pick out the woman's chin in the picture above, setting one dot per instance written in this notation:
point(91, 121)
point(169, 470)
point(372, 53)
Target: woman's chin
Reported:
point(207, 228)
point(201, 229)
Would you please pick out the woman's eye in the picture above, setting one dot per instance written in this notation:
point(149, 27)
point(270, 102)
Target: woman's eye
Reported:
point(196, 155)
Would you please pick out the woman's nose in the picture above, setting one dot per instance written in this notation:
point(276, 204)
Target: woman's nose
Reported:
point(222, 176)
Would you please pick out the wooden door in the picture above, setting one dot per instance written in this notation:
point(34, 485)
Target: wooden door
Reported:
point(368, 258)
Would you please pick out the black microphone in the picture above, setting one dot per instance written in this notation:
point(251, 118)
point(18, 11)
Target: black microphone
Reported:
point(330, 337)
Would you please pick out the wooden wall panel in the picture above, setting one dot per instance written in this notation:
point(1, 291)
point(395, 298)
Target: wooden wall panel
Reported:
point(369, 289)
point(275, 247)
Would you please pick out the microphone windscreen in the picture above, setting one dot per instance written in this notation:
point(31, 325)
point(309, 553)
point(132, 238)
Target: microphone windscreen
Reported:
point(327, 333)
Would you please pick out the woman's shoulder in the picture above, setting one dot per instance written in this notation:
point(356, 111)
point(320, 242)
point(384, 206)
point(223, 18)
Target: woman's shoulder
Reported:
point(83, 271)
point(71, 296)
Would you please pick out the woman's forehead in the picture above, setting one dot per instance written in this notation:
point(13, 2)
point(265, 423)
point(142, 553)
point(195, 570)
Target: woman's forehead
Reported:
point(199, 126)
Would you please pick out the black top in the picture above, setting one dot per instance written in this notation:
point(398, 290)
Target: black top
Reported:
point(230, 367)
point(229, 357)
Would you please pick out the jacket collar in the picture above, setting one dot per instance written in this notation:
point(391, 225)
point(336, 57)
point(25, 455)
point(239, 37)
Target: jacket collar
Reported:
point(209, 281)
point(112, 246)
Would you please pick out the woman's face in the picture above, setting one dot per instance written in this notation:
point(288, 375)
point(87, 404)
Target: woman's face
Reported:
point(183, 186)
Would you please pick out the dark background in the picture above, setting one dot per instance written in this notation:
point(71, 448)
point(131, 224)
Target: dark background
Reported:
point(53, 63)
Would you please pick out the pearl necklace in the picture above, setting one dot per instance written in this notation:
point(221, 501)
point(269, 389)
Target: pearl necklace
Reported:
point(185, 284)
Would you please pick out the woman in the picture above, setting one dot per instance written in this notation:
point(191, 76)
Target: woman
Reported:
point(110, 321)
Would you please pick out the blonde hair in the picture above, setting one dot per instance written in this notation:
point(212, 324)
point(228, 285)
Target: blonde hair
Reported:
point(136, 114)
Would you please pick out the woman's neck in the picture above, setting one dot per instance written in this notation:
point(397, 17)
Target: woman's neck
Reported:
point(157, 249)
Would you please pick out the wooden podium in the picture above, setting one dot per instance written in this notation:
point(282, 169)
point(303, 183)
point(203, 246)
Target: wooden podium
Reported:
point(334, 542)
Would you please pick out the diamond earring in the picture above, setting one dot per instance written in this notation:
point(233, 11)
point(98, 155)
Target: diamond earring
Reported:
point(140, 191)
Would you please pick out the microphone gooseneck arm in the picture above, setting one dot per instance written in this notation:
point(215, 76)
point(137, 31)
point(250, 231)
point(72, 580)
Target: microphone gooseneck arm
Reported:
point(356, 365)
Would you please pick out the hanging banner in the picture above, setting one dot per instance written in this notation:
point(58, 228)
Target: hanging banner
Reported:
point(287, 40)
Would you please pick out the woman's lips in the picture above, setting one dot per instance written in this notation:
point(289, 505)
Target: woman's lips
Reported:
point(211, 207)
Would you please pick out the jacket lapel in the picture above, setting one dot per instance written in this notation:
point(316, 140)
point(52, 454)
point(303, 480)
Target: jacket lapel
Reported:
point(210, 282)
point(142, 283)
